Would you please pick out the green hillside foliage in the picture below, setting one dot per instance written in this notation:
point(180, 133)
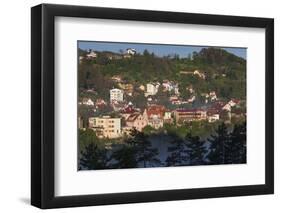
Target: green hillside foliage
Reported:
point(225, 73)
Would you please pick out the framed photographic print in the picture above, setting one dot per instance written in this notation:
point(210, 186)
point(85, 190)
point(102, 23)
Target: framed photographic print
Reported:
point(139, 106)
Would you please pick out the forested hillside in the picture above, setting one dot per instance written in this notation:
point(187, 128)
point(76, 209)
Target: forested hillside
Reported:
point(224, 72)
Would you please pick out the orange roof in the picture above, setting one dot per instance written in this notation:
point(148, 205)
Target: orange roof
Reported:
point(156, 110)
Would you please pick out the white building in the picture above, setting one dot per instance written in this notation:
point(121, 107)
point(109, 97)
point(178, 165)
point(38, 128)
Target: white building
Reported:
point(155, 122)
point(168, 117)
point(91, 55)
point(131, 51)
point(88, 102)
point(199, 74)
point(116, 95)
point(152, 89)
point(106, 127)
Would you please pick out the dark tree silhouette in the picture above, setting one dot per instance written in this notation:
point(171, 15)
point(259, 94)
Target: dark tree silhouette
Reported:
point(178, 153)
point(145, 154)
point(125, 157)
point(93, 157)
point(196, 149)
point(219, 145)
point(237, 152)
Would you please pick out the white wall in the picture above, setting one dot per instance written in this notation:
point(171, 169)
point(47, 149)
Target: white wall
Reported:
point(15, 118)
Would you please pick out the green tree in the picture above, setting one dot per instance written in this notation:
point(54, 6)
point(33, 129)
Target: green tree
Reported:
point(87, 137)
point(196, 149)
point(178, 153)
point(124, 157)
point(237, 149)
point(145, 154)
point(93, 157)
point(219, 143)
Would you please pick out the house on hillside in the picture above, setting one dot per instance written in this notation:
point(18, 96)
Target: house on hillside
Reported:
point(127, 111)
point(116, 78)
point(131, 51)
point(142, 87)
point(91, 55)
point(199, 74)
point(87, 101)
point(213, 114)
point(135, 120)
point(222, 108)
point(116, 95)
point(187, 115)
point(155, 115)
point(152, 89)
point(106, 127)
point(167, 118)
point(100, 103)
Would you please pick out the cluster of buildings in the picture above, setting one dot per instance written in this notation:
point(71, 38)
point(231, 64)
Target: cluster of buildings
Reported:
point(91, 54)
point(156, 116)
point(128, 117)
point(152, 88)
point(97, 104)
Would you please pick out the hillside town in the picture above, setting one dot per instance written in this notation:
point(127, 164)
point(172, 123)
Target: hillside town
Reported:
point(139, 108)
point(123, 115)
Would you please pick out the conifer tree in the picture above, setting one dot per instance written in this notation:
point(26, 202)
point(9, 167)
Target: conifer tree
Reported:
point(196, 149)
point(238, 144)
point(145, 154)
point(219, 145)
point(93, 157)
point(124, 157)
point(178, 153)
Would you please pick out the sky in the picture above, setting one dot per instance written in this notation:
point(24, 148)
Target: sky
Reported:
point(157, 49)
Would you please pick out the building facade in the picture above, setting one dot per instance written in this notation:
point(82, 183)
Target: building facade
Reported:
point(106, 127)
point(186, 115)
point(116, 95)
point(91, 55)
point(136, 120)
point(155, 115)
point(151, 89)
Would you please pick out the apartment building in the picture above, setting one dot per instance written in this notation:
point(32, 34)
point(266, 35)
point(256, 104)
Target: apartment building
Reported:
point(116, 95)
point(186, 115)
point(106, 127)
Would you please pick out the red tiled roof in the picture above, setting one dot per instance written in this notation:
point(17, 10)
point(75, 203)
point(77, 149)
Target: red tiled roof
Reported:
point(133, 117)
point(155, 110)
point(129, 110)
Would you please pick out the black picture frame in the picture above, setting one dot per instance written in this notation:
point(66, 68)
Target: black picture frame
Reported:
point(43, 102)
